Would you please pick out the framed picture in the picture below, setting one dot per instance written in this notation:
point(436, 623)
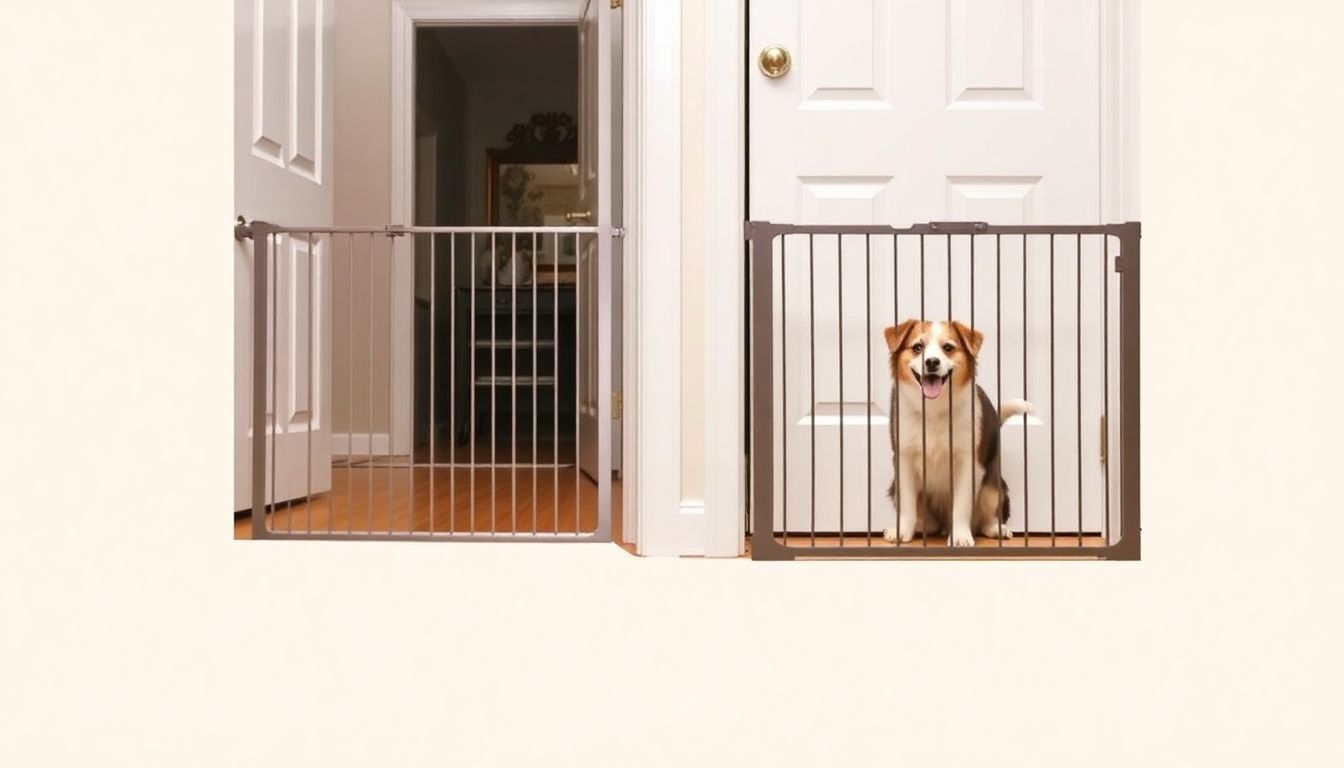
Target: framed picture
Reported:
point(534, 182)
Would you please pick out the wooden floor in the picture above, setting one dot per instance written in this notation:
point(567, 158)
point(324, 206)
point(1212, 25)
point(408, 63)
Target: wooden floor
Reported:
point(804, 541)
point(382, 499)
point(382, 495)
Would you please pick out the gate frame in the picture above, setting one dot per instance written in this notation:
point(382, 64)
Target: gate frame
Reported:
point(761, 235)
point(261, 232)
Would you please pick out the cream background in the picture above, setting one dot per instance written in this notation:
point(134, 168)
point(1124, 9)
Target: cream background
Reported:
point(134, 631)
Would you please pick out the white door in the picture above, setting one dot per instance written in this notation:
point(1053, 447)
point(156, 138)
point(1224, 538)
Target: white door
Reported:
point(282, 172)
point(595, 264)
point(903, 111)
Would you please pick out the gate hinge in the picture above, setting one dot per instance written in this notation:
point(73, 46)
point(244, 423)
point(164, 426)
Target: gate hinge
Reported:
point(1119, 264)
point(615, 405)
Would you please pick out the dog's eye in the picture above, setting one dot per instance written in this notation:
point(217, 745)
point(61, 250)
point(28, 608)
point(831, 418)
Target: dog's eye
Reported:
point(917, 348)
point(948, 348)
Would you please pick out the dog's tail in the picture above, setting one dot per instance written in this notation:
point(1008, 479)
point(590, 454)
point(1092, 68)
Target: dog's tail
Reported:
point(1011, 408)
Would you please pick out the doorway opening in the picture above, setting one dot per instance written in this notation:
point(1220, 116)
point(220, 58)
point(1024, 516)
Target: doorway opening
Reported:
point(497, 145)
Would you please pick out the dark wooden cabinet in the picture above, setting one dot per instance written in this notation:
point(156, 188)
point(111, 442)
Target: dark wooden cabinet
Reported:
point(494, 330)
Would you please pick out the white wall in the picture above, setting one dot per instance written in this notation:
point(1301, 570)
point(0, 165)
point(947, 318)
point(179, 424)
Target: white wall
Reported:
point(136, 632)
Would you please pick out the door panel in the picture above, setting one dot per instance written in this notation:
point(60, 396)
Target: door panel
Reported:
point(282, 150)
point(902, 111)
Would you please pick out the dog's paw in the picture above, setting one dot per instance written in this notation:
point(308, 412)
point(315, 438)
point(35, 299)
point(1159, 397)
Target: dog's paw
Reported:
point(893, 535)
point(961, 538)
point(996, 531)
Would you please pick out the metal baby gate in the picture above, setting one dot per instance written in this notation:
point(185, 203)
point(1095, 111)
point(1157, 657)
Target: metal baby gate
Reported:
point(1059, 309)
point(524, 450)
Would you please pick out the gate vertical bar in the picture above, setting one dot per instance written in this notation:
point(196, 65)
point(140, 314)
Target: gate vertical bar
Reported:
point(840, 355)
point(1053, 485)
point(1106, 382)
point(275, 377)
point(536, 383)
point(494, 381)
point(1128, 546)
point(369, 461)
point(868, 380)
point(1078, 364)
point(763, 545)
point(895, 401)
point(308, 457)
point(604, 299)
point(578, 379)
point(812, 367)
point(555, 381)
point(261, 234)
point(1026, 475)
point(513, 382)
point(433, 418)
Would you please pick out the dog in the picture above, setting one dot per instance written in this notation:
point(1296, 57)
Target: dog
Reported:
point(944, 432)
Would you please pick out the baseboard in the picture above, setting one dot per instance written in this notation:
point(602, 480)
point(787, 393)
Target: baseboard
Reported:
point(358, 444)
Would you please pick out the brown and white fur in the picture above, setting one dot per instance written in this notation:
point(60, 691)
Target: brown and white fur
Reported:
point(948, 436)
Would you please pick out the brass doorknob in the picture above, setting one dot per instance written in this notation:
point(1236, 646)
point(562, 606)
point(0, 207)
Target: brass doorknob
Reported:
point(774, 61)
point(578, 215)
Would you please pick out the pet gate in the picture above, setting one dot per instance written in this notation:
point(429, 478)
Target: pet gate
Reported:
point(509, 428)
point(1059, 310)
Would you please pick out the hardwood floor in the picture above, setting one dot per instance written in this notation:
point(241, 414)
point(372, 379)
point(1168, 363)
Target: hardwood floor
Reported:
point(1038, 539)
point(384, 499)
point(383, 495)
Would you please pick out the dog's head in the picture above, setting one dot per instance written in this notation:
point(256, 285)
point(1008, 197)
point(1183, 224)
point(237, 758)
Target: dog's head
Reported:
point(926, 355)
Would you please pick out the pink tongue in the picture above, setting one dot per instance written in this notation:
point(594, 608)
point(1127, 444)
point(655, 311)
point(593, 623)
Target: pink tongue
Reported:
point(932, 387)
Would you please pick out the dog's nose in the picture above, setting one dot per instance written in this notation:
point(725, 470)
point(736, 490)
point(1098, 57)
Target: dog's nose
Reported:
point(932, 364)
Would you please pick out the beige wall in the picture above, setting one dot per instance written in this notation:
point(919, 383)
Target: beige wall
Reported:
point(136, 632)
point(362, 185)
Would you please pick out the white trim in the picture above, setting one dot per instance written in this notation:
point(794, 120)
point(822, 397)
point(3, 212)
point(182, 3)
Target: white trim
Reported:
point(725, 143)
point(1119, 103)
point(630, 57)
point(406, 15)
point(653, 214)
point(341, 444)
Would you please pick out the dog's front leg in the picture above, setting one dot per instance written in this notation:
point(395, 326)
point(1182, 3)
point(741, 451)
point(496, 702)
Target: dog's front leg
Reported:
point(963, 502)
point(907, 504)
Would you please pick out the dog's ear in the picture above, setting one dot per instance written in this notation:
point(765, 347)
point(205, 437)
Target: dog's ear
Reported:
point(970, 338)
point(896, 334)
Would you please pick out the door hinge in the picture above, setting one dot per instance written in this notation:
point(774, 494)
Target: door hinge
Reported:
point(616, 4)
point(615, 405)
point(618, 231)
point(1105, 440)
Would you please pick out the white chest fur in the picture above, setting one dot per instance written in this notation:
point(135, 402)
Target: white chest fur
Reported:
point(936, 437)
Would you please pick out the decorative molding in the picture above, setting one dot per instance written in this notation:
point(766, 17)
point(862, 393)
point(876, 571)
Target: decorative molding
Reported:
point(654, 223)
point(1119, 110)
point(724, 453)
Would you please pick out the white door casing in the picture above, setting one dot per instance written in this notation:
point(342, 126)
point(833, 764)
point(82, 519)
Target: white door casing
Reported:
point(594, 260)
point(282, 162)
point(916, 111)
